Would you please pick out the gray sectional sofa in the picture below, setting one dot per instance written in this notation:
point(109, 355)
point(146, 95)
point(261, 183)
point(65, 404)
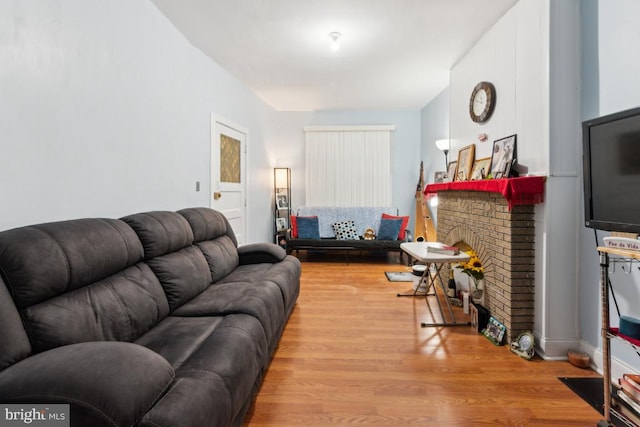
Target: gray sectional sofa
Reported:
point(155, 319)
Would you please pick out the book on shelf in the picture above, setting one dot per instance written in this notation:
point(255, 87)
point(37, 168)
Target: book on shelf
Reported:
point(629, 388)
point(440, 248)
point(630, 402)
point(633, 379)
point(627, 413)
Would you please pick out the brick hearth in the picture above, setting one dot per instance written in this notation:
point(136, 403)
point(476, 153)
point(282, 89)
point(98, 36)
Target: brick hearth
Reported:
point(504, 241)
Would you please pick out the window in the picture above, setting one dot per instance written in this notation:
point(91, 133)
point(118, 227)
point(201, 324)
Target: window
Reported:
point(348, 166)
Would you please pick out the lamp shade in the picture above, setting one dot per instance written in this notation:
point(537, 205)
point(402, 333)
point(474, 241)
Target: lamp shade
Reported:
point(281, 177)
point(442, 144)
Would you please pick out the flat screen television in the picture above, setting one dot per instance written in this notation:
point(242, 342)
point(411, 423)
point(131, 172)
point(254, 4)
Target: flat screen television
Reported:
point(611, 171)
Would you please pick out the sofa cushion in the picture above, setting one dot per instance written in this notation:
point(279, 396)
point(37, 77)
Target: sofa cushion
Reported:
point(78, 280)
point(403, 227)
point(308, 228)
point(119, 308)
point(183, 274)
point(345, 230)
point(160, 232)
point(221, 255)
point(40, 262)
point(262, 300)
point(217, 361)
point(294, 224)
point(389, 229)
point(208, 224)
point(15, 343)
point(285, 274)
point(214, 236)
point(107, 383)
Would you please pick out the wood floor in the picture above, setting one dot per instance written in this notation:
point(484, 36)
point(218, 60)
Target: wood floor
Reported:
point(354, 354)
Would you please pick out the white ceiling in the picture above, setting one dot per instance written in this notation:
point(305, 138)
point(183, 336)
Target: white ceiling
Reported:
point(394, 54)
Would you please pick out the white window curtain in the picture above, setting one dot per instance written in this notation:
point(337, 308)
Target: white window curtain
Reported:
point(348, 166)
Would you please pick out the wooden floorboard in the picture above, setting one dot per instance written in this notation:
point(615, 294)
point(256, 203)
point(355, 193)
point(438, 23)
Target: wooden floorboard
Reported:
point(354, 354)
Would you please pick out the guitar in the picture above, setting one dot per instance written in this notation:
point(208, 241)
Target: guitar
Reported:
point(423, 229)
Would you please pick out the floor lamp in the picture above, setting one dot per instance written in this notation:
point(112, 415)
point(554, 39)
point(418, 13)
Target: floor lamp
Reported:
point(443, 145)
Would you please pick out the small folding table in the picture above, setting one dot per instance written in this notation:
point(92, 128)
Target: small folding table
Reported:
point(418, 251)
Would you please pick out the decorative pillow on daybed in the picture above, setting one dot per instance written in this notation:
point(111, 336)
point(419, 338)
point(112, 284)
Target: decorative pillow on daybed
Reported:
point(389, 229)
point(403, 227)
point(345, 230)
point(308, 227)
point(294, 224)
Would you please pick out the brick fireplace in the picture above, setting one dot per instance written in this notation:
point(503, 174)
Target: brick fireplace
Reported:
point(503, 238)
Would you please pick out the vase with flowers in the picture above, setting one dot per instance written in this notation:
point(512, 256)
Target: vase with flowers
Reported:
point(474, 269)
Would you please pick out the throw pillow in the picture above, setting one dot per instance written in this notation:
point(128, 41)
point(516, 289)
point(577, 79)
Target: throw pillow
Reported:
point(403, 227)
point(345, 230)
point(389, 229)
point(294, 225)
point(308, 227)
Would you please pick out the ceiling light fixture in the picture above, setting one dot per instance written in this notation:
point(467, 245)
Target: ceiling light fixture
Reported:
point(335, 43)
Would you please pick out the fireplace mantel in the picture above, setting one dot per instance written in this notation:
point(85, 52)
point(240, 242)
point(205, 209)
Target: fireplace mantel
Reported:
point(495, 218)
point(527, 190)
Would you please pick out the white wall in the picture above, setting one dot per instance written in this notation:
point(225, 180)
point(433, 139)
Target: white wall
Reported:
point(512, 56)
point(610, 69)
point(434, 125)
point(105, 111)
point(527, 56)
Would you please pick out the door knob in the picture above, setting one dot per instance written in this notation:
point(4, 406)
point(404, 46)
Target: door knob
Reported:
point(217, 195)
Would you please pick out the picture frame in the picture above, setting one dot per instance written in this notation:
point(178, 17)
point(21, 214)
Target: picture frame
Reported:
point(451, 171)
point(439, 176)
point(466, 155)
point(473, 316)
point(481, 168)
point(281, 224)
point(503, 155)
point(282, 201)
point(495, 331)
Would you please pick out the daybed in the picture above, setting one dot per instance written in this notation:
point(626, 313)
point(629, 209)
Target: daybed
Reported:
point(155, 319)
point(343, 229)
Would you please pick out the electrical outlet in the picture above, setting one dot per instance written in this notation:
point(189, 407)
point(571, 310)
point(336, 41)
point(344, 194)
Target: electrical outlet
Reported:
point(197, 185)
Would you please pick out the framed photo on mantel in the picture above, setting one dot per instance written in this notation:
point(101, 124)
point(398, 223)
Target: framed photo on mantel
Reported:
point(466, 156)
point(451, 171)
point(504, 153)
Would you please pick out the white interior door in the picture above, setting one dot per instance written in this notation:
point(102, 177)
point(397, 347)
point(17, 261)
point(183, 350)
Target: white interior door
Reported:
point(228, 174)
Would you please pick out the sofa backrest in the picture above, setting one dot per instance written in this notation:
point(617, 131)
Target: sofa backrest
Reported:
point(179, 265)
point(363, 217)
point(80, 280)
point(15, 343)
point(215, 238)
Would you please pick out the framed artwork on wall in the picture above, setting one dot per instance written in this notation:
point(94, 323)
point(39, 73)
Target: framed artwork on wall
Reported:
point(466, 155)
point(504, 153)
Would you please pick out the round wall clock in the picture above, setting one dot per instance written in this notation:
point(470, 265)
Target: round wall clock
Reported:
point(482, 102)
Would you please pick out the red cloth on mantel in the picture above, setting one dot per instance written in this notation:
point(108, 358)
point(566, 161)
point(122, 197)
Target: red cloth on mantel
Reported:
point(526, 190)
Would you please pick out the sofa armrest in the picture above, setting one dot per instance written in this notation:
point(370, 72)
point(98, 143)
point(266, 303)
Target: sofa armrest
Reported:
point(256, 253)
point(105, 383)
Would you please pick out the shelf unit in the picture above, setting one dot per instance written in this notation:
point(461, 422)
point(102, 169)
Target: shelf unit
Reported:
point(614, 255)
point(281, 205)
